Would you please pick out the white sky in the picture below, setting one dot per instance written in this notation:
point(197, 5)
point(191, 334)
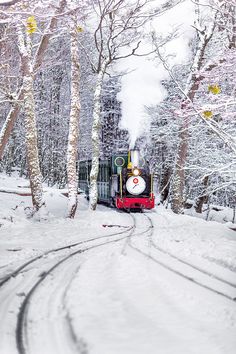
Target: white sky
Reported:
point(142, 86)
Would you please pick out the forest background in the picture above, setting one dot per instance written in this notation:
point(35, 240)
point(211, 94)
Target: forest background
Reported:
point(71, 87)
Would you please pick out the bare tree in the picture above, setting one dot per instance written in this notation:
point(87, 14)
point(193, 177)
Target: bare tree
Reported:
point(192, 85)
point(26, 95)
point(200, 70)
point(37, 62)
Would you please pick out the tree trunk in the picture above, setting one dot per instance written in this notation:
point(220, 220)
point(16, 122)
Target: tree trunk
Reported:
point(11, 118)
point(93, 191)
point(177, 202)
point(203, 198)
point(72, 176)
point(31, 143)
point(30, 122)
point(9, 123)
point(193, 82)
point(165, 184)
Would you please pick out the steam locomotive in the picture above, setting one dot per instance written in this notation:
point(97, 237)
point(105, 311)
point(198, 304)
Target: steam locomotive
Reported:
point(124, 181)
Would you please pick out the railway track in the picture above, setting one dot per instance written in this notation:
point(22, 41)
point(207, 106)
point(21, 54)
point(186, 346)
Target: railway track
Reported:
point(21, 329)
point(68, 256)
point(218, 262)
point(46, 264)
point(134, 234)
point(6, 278)
point(187, 270)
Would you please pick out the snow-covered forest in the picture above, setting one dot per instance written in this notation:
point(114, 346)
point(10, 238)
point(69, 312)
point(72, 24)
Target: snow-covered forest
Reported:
point(72, 89)
point(85, 80)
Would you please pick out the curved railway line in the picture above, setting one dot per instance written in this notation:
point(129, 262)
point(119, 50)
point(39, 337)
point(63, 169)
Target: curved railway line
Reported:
point(21, 329)
point(64, 254)
point(55, 250)
point(186, 264)
point(189, 264)
point(21, 326)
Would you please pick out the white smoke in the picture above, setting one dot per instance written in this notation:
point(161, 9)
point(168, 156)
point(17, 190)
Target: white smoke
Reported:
point(142, 85)
point(140, 88)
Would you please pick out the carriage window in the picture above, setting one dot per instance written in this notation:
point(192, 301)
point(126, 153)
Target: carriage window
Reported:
point(99, 174)
point(106, 174)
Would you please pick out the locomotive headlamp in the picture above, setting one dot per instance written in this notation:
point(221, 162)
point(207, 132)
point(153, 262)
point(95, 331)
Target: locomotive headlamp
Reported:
point(136, 172)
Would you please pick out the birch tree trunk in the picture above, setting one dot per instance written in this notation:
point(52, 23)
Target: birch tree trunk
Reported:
point(9, 123)
point(72, 176)
point(30, 120)
point(12, 115)
point(193, 82)
point(93, 191)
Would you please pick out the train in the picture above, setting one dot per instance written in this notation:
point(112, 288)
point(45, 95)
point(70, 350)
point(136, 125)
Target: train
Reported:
point(124, 181)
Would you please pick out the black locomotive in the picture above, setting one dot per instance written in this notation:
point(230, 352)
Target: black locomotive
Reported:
point(124, 181)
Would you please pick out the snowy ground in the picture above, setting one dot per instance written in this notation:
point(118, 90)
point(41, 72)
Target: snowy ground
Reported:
point(159, 284)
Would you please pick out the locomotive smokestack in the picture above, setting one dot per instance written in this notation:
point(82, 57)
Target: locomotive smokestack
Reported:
point(134, 157)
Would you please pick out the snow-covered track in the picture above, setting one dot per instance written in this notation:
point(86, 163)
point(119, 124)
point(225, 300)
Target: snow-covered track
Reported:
point(55, 250)
point(187, 270)
point(16, 286)
point(137, 231)
point(221, 263)
point(22, 320)
point(211, 275)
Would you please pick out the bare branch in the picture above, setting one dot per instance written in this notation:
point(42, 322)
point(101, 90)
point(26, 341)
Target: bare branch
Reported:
point(228, 140)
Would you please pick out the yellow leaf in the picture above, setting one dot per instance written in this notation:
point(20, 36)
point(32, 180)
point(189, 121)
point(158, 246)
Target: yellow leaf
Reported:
point(31, 24)
point(215, 89)
point(79, 29)
point(207, 114)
